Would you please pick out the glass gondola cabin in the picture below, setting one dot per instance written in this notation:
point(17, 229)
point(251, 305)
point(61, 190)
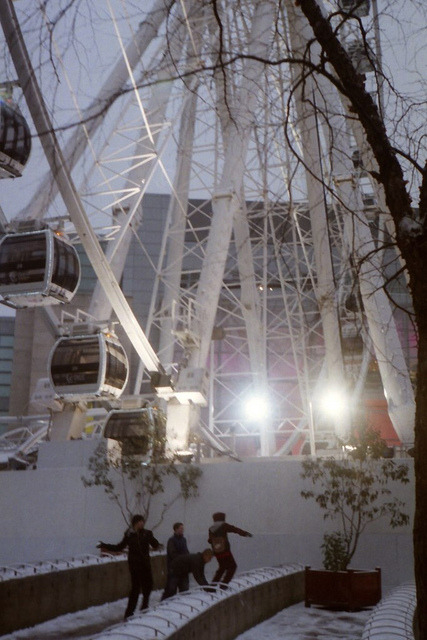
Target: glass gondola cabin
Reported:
point(141, 432)
point(88, 367)
point(15, 140)
point(37, 268)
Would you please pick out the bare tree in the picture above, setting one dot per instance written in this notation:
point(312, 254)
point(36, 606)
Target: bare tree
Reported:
point(411, 238)
point(336, 67)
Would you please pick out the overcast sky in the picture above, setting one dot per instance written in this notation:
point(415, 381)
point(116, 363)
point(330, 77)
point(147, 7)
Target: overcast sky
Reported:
point(85, 44)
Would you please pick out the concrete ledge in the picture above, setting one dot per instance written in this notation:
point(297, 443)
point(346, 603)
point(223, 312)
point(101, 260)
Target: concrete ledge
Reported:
point(28, 601)
point(197, 615)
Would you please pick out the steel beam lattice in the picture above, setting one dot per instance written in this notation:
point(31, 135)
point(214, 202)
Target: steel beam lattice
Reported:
point(259, 278)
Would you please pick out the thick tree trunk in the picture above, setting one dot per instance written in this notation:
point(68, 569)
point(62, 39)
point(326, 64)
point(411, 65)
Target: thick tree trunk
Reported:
point(420, 520)
point(419, 294)
point(411, 238)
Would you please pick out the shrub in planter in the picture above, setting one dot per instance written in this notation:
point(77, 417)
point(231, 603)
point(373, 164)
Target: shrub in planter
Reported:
point(355, 491)
point(334, 550)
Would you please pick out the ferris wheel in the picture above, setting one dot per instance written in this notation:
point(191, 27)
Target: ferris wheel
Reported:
point(268, 276)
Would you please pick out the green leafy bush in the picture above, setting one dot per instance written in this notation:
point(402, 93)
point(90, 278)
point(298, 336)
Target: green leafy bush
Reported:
point(354, 490)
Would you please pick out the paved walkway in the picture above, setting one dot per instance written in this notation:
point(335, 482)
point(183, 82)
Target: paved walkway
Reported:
point(295, 623)
point(301, 623)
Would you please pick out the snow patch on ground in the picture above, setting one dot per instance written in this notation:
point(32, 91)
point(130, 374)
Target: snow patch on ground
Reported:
point(301, 623)
point(294, 623)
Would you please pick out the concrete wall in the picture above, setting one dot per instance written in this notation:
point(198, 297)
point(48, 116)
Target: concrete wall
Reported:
point(47, 513)
point(232, 616)
point(28, 601)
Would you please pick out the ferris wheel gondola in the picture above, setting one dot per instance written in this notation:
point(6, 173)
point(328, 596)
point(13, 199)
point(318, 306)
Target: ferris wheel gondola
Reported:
point(15, 140)
point(37, 268)
point(223, 232)
point(88, 367)
point(139, 431)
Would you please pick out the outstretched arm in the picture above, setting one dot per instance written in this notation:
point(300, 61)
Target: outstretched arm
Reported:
point(241, 532)
point(199, 575)
point(114, 547)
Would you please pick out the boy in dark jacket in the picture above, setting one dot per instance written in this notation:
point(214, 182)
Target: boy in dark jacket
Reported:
point(138, 540)
point(182, 566)
point(221, 546)
point(177, 546)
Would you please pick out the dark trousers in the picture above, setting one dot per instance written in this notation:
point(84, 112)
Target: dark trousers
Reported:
point(226, 565)
point(141, 580)
point(175, 583)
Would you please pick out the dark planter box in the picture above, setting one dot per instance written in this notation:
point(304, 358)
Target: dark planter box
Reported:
point(350, 590)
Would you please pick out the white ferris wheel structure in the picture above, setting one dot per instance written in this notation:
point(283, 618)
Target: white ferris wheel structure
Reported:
point(269, 278)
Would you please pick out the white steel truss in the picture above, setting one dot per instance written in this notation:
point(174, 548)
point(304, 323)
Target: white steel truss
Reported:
point(256, 265)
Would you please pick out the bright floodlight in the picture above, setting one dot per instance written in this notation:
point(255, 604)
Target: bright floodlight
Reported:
point(333, 402)
point(256, 408)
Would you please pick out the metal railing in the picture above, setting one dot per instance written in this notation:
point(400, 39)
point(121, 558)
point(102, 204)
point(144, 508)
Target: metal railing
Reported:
point(22, 570)
point(393, 617)
point(168, 616)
